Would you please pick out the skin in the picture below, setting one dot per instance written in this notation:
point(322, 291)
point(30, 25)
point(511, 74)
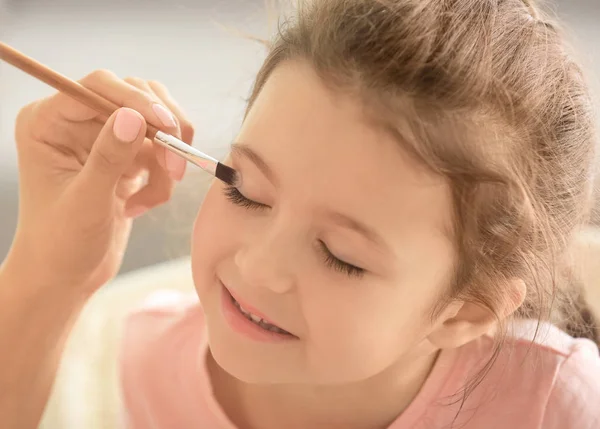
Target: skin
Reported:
point(365, 343)
point(80, 188)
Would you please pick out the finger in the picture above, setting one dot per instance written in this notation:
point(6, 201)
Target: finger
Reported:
point(187, 128)
point(67, 108)
point(157, 191)
point(173, 163)
point(112, 155)
point(134, 179)
point(109, 86)
point(177, 163)
point(138, 166)
point(76, 138)
point(129, 186)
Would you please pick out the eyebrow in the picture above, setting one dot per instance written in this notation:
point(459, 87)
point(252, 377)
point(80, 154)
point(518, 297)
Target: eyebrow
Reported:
point(350, 223)
point(245, 151)
point(341, 219)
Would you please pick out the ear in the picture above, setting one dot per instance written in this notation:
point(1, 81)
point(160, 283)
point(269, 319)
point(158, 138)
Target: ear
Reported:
point(463, 321)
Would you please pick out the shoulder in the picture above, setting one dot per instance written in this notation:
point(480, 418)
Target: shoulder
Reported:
point(562, 374)
point(540, 378)
point(161, 344)
point(164, 328)
point(158, 322)
point(575, 393)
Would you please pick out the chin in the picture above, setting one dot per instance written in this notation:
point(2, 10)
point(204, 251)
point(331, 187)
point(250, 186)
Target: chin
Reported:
point(245, 369)
point(244, 358)
point(252, 363)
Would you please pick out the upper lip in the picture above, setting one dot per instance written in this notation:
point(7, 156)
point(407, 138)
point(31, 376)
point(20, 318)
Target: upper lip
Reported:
point(250, 308)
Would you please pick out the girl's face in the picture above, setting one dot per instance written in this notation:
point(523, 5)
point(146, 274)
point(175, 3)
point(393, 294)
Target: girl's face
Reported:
point(335, 236)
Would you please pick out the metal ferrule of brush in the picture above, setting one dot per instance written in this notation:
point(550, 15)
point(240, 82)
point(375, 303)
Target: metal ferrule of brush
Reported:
point(202, 160)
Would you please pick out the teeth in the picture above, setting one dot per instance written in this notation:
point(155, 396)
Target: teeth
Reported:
point(259, 321)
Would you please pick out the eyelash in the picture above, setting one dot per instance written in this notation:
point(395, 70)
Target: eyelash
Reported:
point(337, 264)
point(236, 197)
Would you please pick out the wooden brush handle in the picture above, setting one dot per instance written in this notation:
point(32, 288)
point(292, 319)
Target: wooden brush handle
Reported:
point(63, 84)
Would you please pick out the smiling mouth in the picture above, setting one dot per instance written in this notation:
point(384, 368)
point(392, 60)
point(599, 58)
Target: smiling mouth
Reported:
point(257, 320)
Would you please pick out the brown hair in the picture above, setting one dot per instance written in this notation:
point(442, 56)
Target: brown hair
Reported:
point(485, 93)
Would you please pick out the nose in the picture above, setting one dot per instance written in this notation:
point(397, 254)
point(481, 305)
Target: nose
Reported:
point(266, 261)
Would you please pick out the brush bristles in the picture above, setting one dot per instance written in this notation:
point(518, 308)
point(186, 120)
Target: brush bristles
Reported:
point(227, 175)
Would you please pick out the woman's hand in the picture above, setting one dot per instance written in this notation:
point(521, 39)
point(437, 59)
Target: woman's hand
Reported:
point(81, 183)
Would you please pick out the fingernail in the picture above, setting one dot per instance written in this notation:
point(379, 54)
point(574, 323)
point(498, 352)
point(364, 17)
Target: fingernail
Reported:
point(175, 165)
point(127, 125)
point(164, 115)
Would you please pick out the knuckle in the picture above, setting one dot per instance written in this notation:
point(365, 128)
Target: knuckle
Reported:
point(23, 121)
point(135, 81)
point(25, 113)
point(141, 97)
point(33, 121)
point(107, 159)
point(158, 85)
point(138, 100)
point(100, 75)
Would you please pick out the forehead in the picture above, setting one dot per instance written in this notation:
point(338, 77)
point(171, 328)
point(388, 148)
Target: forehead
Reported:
point(327, 153)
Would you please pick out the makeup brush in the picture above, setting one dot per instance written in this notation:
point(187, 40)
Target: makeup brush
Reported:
point(101, 105)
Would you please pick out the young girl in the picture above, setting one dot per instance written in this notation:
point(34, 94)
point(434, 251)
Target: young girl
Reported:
point(413, 174)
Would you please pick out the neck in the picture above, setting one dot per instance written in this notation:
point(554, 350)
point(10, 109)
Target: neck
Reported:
point(373, 403)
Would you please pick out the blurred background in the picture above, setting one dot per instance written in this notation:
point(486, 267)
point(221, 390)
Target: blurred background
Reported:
point(197, 49)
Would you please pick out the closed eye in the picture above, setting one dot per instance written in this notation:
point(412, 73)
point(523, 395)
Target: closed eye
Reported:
point(236, 197)
point(337, 264)
point(331, 261)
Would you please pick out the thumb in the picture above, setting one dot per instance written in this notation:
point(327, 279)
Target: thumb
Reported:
point(114, 150)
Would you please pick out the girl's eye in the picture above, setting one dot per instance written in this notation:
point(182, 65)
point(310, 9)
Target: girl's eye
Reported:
point(236, 197)
point(337, 264)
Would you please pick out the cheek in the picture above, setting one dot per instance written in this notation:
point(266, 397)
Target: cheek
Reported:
point(213, 238)
point(357, 332)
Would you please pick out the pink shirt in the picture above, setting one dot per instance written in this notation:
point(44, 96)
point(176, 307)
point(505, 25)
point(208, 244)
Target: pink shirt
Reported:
point(553, 383)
